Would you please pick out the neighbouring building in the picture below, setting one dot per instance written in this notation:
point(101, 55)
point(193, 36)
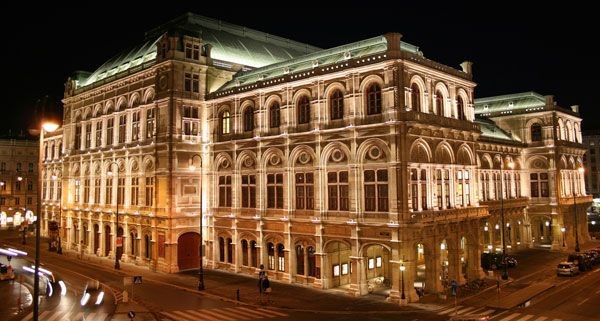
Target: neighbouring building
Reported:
point(18, 181)
point(591, 161)
point(332, 167)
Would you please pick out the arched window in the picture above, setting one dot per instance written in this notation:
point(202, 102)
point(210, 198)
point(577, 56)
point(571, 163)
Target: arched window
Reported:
point(221, 249)
point(415, 97)
point(280, 258)
point(225, 123)
point(244, 252)
point(536, 133)
point(336, 105)
point(147, 246)
point(271, 256)
point(299, 259)
point(312, 262)
point(439, 103)
point(274, 119)
point(374, 99)
point(229, 251)
point(303, 110)
point(460, 105)
point(248, 119)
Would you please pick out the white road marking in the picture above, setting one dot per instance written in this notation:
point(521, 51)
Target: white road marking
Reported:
point(541, 319)
point(510, 317)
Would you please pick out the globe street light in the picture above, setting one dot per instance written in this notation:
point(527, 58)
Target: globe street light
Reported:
point(201, 271)
point(402, 296)
point(504, 265)
point(117, 265)
point(580, 170)
point(49, 127)
point(563, 229)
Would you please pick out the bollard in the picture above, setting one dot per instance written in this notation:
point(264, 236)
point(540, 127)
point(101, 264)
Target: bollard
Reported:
point(237, 294)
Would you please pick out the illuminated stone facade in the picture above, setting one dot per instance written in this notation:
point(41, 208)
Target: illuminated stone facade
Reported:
point(18, 181)
point(333, 167)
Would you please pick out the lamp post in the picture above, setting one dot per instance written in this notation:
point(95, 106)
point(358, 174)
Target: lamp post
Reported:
point(402, 296)
point(504, 265)
point(117, 265)
point(49, 127)
point(563, 229)
point(201, 271)
point(580, 170)
point(59, 245)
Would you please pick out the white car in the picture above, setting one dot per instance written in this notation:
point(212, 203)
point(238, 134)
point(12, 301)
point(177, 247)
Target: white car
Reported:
point(567, 268)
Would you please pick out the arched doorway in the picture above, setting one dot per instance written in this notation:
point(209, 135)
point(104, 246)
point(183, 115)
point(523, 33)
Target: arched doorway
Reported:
point(339, 268)
point(420, 270)
point(377, 270)
point(188, 253)
point(96, 238)
point(107, 243)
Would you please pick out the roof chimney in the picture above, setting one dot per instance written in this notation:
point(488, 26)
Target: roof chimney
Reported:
point(549, 100)
point(467, 67)
point(575, 108)
point(393, 43)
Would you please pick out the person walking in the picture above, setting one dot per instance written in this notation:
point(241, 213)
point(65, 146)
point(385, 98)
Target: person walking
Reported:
point(266, 287)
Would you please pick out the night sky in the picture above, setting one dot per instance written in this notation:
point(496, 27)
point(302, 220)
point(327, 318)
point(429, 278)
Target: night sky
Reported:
point(514, 49)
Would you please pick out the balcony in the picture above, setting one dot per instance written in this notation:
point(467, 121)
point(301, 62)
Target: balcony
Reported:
point(439, 121)
point(580, 199)
point(494, 205)
point(450, 215)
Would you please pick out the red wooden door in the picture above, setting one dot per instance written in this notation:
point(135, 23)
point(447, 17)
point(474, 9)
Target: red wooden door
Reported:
point(188, 253)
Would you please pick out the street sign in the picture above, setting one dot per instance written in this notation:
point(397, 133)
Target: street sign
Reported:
point(120, 241)
point(137, 279)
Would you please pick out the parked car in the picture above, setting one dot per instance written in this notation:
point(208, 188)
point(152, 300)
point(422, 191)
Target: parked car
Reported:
point(494, 261)
point(92, 294)
point(582, 261)
point(567, 268)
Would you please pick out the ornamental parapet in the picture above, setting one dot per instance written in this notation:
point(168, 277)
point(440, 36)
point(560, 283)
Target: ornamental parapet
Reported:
point(508, 203)
point(449, 215)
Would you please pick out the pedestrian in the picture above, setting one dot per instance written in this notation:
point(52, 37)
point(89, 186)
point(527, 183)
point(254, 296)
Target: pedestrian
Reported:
point(266, 286)
point(261, 276)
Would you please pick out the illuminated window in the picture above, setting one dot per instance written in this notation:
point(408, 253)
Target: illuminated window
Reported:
point(135, 126)
point(225, 123)
point(110, 124)
point(150, 120)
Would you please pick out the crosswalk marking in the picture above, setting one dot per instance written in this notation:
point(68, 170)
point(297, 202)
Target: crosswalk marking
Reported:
point(540, 319)
point(510, 317)
point(222, 314)
point(465, 310)
point(527, 317)
point(448, 310)
point(59, 314)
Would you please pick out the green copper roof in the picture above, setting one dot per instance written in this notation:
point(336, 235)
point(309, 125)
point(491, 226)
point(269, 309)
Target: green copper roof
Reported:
point(490, 130)
point(507, 104)
point(231, 43)
point(314, 60)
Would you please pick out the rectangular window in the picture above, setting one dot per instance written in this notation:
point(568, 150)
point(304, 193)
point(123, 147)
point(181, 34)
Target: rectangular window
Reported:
point(196, 83)
point(18, 186)
point(414, 190)
point(77, 190)
point(544, 190)
point(97, 191)
point(371, 263)
point(78, 137)
point(534, 184)
point(423, 182)
point(2, 201)
point(376, 190)
point(187, 82)
point(30, 185)
point(17, 201)
point(248, 191)
point(86, 190)
point(440, 193)
point(225, 191)
point(88, 135)
point(149, 191)
point(110, 125)
point(150, 119)
point(304, 191)
point(108, 191)
point(121, 191)
point(135, 126)
point(274, 190)
point(98, 134)
point(135, 191)
point(29, 200)
point(378, 261)
point(122, 128)
point(337, 188)
point(188, 50)
point(30, 167)
point(336, 270)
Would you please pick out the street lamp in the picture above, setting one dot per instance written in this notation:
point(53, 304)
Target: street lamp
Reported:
point(490, 247)
point(402, 268)
point(59, 246)
point(580, 170)
point(201, 271)
point(504, 265)
point(49, 127)
point(563, 229)
point(117, 265)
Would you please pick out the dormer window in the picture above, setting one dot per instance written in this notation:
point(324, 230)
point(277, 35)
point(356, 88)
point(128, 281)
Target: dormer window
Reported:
point(192, 51)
